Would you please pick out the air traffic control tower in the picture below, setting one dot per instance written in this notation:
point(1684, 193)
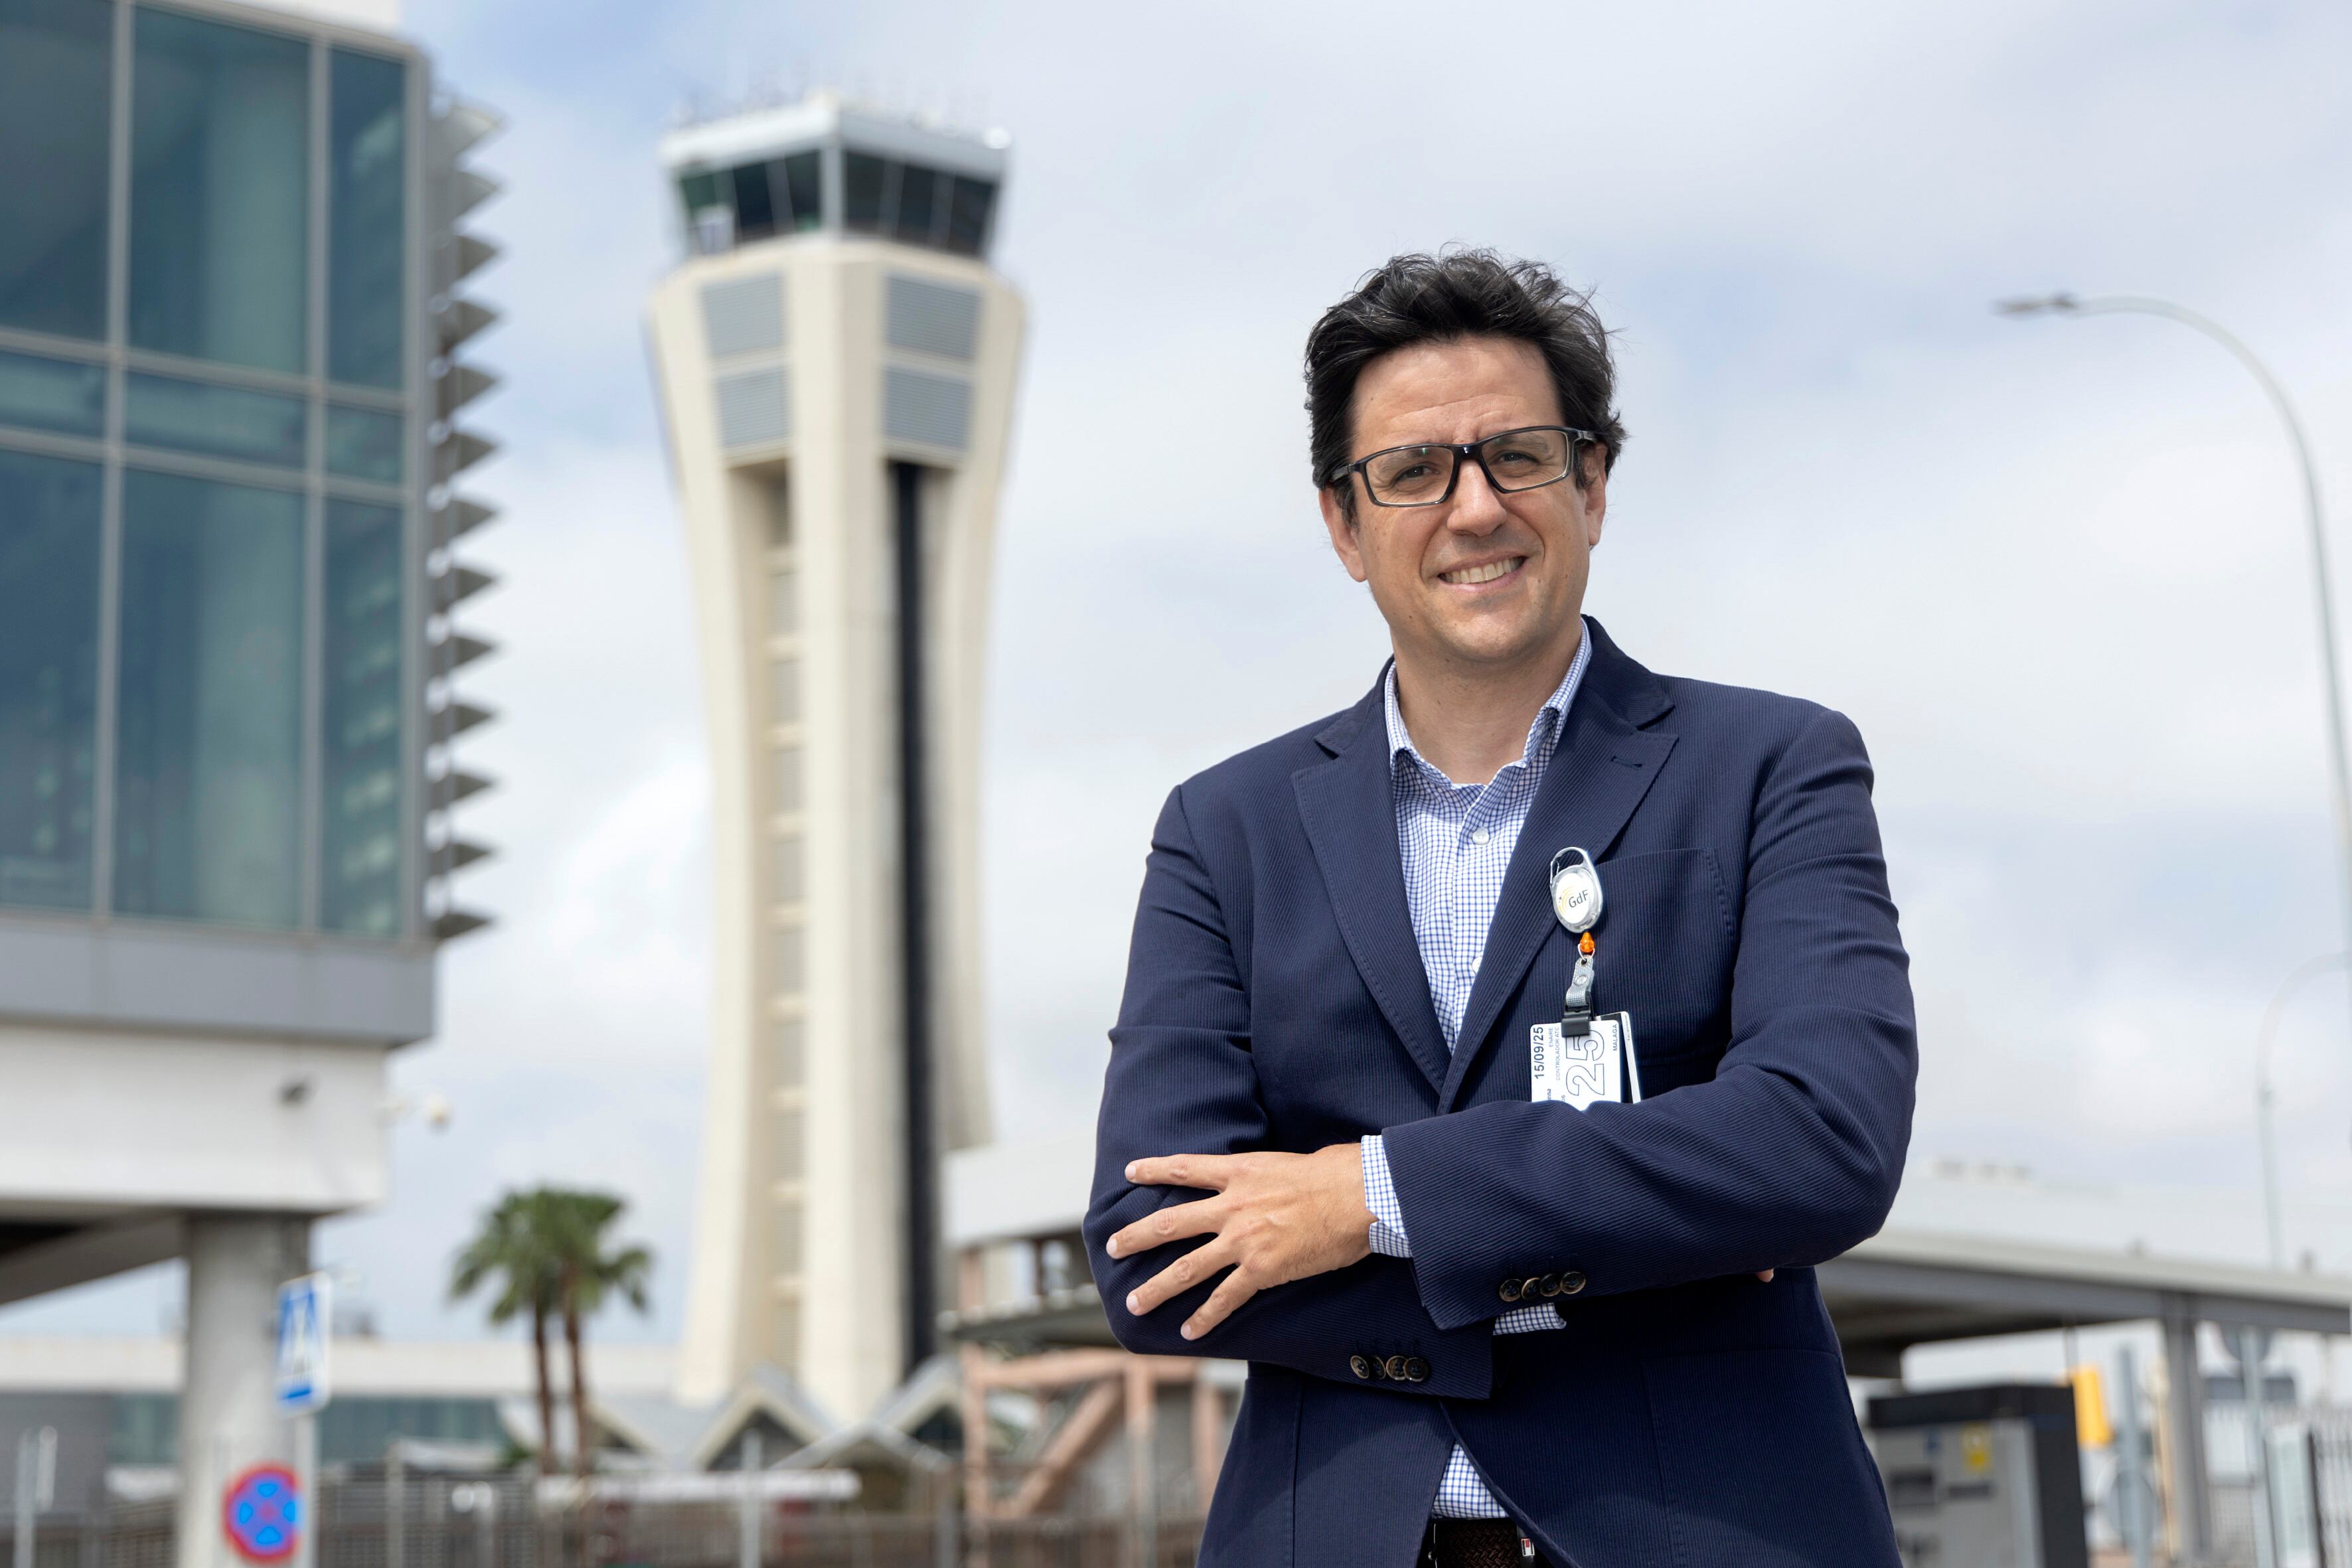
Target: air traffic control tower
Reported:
point(836, 366)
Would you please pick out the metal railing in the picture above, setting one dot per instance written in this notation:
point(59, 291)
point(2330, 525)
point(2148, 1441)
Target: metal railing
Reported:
point(491, 1521)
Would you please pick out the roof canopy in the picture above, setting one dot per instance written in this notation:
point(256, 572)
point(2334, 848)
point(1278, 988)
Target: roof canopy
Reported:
point(1902, 1289)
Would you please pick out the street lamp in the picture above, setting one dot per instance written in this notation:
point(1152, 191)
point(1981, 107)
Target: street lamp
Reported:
point(2266, 1100)
point(2331, 687)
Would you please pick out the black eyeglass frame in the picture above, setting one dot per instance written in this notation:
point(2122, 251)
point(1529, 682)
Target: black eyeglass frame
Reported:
point(1470, 452)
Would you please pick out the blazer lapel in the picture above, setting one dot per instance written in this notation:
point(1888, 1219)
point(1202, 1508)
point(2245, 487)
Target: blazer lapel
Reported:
point(1604, 766)
point(1349, 813)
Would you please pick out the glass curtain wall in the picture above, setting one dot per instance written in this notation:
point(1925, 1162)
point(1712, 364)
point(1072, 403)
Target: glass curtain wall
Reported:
point(220, 191)
point(367, 154)
point(360, 874)
point(56, 95)
point(48, 678)
point(266, 500)
point(209, 801)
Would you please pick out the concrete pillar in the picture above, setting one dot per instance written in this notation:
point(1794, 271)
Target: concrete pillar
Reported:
point(2192, 1500)
point(229, 1409)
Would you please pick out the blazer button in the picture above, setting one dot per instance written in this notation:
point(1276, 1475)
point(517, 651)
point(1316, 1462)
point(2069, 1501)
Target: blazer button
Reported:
point(1549, 1285)
point(1397, 1368)
point(1360, 1367)
point(1416, 1370)
point(1509, 1291)
point(1530, 1288)
point(1570, 1283)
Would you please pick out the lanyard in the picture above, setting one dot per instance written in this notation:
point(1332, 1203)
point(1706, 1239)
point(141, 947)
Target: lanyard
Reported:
point(1576, 901)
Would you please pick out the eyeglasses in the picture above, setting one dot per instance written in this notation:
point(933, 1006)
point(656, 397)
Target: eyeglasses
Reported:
point(1424, 475)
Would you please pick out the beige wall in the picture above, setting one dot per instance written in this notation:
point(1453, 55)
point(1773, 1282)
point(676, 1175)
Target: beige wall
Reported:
point(137, 1123)
point(797, 1255)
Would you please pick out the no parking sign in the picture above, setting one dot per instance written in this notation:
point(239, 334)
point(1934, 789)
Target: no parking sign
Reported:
point(262, 1514)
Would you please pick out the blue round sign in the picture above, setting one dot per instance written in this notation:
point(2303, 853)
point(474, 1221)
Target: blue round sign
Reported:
point(262, 1514)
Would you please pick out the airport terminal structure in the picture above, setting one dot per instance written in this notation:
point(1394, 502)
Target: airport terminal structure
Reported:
point(231, 378)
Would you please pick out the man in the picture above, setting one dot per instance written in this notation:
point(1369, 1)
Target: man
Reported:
point(1484, 1325)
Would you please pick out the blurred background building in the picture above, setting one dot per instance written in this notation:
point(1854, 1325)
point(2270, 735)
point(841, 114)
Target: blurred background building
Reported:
point(228, 320)
point(836, 365)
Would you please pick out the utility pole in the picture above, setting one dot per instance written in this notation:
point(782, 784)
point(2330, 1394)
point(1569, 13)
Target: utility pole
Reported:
point(37, 1486)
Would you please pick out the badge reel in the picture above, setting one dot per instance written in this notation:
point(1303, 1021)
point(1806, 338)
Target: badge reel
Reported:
point(1587, 1056)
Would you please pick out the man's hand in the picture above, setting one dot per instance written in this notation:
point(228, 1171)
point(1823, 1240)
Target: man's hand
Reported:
point(1275, 1218)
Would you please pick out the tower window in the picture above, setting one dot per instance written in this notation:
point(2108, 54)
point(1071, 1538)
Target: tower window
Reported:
point(804, 189)
point(911, 202)
point(755, 210)
point(918, 193)
point(863, 179)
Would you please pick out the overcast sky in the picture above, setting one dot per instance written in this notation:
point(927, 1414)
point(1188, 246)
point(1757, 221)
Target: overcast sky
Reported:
point(2055, 571)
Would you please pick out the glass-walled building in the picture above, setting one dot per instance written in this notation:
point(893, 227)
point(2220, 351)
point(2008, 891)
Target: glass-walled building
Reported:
point(230, 395)
point(218, 463)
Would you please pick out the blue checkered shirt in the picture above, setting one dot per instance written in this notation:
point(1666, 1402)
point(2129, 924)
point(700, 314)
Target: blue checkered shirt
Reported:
point(1456, 840)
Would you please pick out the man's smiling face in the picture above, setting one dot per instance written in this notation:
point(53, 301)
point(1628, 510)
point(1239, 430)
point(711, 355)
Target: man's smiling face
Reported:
point(1483, 582)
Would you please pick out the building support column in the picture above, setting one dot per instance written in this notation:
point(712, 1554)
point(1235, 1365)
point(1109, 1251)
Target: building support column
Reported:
point(2192, 1500)
point(1142, 1469)
point(228, 1396)
point(1208, 1437)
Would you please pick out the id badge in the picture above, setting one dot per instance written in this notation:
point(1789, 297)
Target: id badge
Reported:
point(1594, 1067)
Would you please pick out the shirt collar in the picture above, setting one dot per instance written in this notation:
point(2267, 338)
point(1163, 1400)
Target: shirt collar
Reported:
point(1541, 734)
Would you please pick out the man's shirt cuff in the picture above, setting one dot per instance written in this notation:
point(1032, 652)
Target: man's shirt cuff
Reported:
point(1388, 1236)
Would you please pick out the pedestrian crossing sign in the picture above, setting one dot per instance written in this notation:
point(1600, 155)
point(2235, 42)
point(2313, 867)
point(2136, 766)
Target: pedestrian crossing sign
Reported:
point(305, 1313)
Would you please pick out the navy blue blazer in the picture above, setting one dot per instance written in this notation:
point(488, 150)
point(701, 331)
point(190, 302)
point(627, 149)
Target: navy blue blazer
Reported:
point(1687, 1413)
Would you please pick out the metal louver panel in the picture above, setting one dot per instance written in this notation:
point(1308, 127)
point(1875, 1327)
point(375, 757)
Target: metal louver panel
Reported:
point(458, 451)
point(458, 517)
point(744, 315)
point(461, 257)
point(456, 718)
point(460, 384)
point(452, 853)
point(450, 924)
point(463, 124)
point(754, 409)
point(453, 786)
point(934, 410)
point(459, 583)
point(932, 318)
point(457, 650)
point(462, 318)
point(452, 192)
point(465, 190)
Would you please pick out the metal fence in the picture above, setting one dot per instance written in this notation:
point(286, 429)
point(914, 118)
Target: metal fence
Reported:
point(2328, 1430)
point(2311, 1472)
point(492, 1522)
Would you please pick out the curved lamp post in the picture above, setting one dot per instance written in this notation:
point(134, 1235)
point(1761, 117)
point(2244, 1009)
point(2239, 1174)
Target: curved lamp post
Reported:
point(2332, 683)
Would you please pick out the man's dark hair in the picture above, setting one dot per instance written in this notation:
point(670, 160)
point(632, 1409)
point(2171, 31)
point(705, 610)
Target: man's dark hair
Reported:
point(1420, 299)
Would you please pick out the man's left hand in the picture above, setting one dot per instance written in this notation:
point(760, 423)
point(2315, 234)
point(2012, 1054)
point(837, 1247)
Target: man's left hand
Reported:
point(1275, 1218)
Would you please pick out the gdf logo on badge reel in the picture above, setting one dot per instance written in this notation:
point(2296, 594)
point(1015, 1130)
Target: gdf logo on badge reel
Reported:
point(1575, 890)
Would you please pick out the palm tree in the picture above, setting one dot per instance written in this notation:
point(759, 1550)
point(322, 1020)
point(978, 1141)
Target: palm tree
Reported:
point(586, 1274)
point(512, 1247)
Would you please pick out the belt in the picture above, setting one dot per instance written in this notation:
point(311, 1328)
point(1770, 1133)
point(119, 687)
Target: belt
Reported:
point(1477, 1543)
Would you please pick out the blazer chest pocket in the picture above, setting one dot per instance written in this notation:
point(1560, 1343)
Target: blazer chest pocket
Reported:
point(1667, 946)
